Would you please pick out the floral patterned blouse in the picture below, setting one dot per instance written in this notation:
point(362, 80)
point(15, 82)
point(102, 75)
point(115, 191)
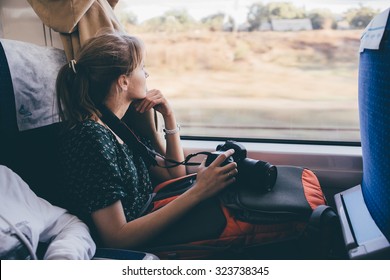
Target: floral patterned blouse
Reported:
point(100, 171)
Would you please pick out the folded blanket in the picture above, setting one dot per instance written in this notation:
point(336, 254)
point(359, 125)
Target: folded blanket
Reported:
point(34, 71)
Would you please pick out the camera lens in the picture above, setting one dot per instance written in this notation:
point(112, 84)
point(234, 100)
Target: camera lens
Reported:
point(258, 174)
point(271, 174)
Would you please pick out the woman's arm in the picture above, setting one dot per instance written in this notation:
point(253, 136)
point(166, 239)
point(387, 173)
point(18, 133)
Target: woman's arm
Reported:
point(156, 100)
point(116, 232)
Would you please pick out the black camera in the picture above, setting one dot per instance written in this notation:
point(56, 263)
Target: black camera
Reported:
point(253, 173)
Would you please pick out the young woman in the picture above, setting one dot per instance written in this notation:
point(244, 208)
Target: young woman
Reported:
point(108, 180)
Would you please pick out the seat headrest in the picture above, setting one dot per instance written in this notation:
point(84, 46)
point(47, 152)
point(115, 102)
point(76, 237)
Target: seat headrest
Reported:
point(33, 71)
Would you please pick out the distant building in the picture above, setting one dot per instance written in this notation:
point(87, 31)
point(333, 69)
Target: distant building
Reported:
point(265, 26)
point(291, 24)
point(245, 26)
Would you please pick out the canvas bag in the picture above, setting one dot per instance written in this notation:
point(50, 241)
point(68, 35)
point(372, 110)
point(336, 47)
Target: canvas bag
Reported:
point(233, 223)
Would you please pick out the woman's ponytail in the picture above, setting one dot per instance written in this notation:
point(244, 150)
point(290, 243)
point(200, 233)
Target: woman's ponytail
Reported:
point(72, 87)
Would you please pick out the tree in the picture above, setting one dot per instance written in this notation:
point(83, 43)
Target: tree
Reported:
point(182, 16)
point(171, 21)
point(360, 17)
point(284, 10)
point(321, 19)
point(214, 22)
point(259, 13)
point(128, 18)
point(256, 15)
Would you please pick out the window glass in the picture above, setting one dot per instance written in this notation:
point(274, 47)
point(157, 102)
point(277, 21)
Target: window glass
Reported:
point(255, 69)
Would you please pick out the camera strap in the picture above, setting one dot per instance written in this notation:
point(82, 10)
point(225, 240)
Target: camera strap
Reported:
point(131, 139)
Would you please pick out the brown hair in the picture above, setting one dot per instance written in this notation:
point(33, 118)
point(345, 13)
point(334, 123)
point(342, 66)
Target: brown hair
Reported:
point(102, 59)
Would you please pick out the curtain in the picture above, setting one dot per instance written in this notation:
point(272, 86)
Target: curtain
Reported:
point(79, 20)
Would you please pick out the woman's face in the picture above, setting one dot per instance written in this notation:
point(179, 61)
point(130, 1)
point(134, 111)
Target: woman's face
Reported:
point(137, 83)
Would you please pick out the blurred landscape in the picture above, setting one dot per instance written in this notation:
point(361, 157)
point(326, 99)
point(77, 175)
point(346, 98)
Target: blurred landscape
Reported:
point(256, 83)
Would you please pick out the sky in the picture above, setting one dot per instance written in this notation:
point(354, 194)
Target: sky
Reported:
point(145, 9)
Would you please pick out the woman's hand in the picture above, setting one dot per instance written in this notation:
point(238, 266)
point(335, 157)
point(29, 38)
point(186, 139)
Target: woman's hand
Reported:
point(213, 178)
point(154, 99)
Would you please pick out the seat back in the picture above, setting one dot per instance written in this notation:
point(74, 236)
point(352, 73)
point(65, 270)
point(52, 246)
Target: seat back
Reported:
point(364, 210)
point(29, 147)
point(374, 110)
point(31, 153)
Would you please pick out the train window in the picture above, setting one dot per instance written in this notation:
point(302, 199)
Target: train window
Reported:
point(256, 69)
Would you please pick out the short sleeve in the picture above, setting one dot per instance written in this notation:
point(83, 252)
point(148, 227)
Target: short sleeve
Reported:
point(93, 175)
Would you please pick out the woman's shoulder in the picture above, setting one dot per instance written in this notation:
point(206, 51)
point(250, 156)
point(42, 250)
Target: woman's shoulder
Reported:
point(88, 131)
point(87, 126)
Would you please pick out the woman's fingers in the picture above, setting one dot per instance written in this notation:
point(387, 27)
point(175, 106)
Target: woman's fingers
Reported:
point(214, 178)
point(147, 103)
point(222, 158)
point(231, 171)
point(154, 99)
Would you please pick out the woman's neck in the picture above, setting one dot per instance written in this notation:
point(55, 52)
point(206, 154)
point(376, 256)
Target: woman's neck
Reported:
point(118, 110)
point(117, 105)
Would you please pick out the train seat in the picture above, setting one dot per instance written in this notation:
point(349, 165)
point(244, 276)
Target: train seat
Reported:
point(365, 209)
point(28, 146)
point(29, 123)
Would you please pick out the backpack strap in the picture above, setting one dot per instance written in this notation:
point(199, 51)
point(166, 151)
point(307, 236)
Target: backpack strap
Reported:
point(322, 215)
point(127, 135)
point(322, 233)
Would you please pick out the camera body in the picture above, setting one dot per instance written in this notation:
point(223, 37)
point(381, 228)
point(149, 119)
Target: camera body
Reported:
point(257, 174)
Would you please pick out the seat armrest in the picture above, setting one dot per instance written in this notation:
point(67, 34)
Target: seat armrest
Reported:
point(363, 239)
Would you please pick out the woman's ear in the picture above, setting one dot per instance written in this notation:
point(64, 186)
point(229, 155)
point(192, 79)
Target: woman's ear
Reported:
point(123, 82)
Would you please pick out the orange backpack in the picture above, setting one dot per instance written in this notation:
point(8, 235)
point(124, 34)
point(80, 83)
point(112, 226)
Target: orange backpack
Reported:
point(245, 223)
